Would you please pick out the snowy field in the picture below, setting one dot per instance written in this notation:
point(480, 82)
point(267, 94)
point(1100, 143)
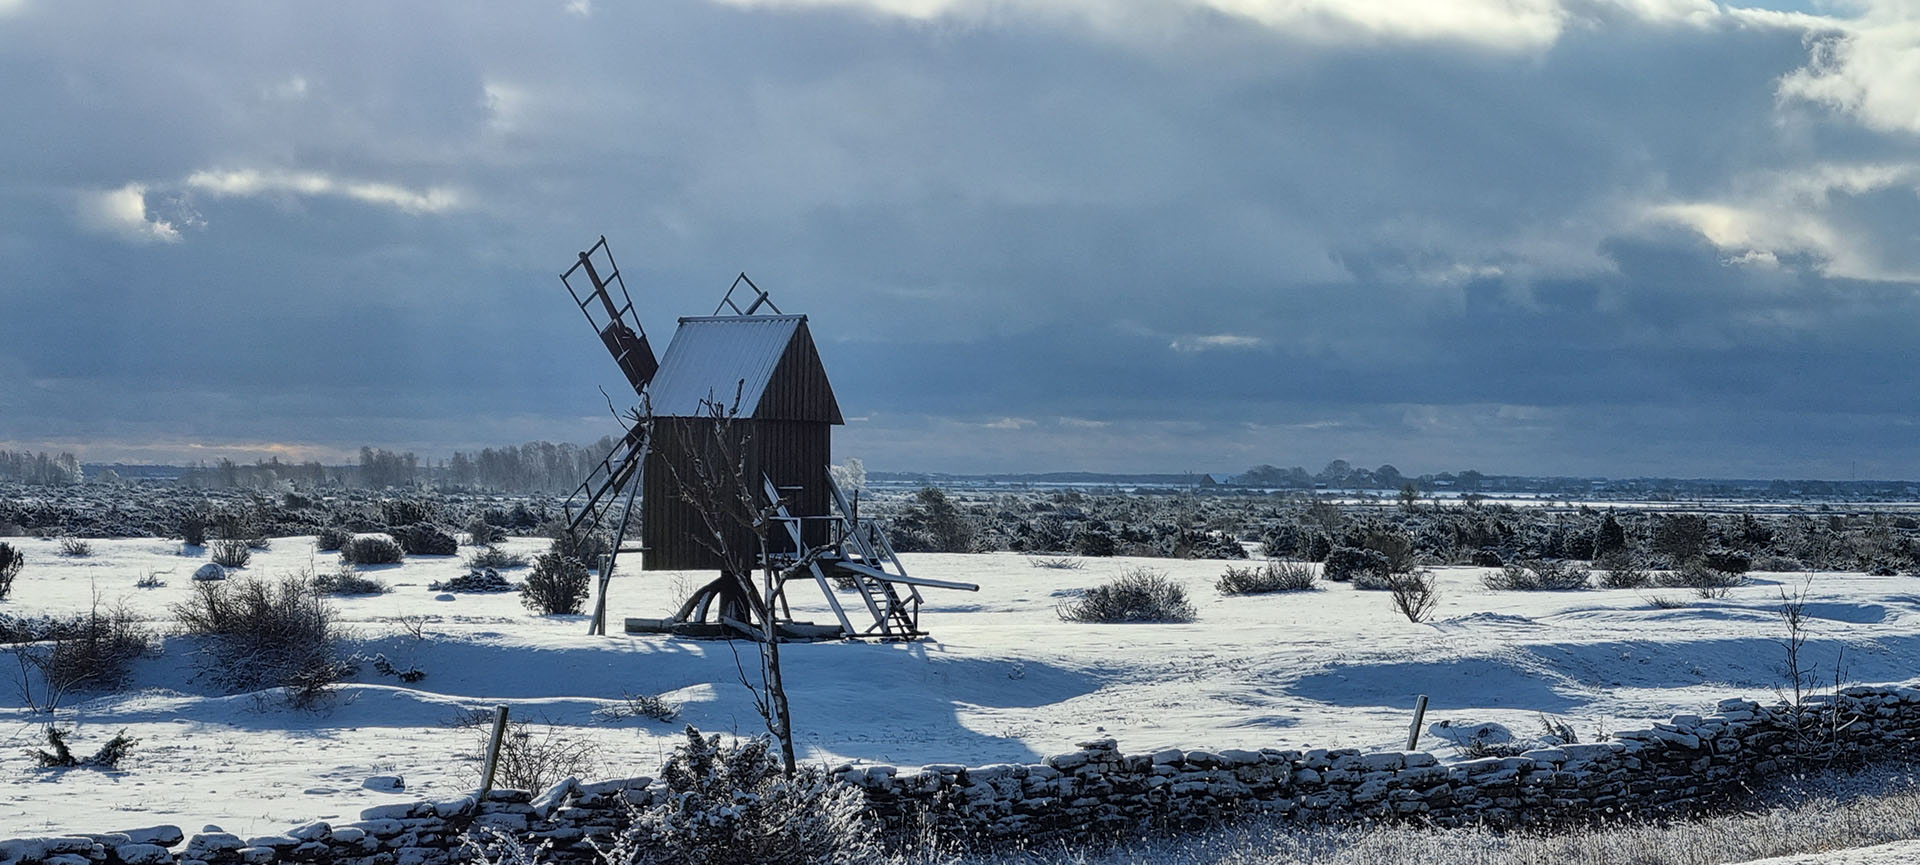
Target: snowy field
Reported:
point(1002, 678)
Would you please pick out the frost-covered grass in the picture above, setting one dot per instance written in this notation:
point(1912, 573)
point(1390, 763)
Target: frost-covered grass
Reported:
point(1821, 815)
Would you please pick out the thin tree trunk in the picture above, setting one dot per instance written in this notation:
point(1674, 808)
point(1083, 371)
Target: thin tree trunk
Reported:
point(782, 720)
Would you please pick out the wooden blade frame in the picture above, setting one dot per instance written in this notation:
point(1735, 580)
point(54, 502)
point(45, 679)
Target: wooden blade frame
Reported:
point(593, 281)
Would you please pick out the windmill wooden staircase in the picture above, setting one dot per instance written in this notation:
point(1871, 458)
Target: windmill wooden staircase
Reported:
point(857, 556)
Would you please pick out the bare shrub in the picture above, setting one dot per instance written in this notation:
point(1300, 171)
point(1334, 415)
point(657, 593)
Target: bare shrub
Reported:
point(651, 706)
point(150, 581)
point(1415, 593)
point(1274, 576)
point(1137, 595)
point(537, 757)
point(1057, 563)
point(557, 586)
point(231, 553)
point(1664, 602)
point(96, 653)
point(75, 548)
point(372, 550)
point(1539, 575)
point(493, 557)
point(1705, 581)
point(262, 634)
point(11, 561)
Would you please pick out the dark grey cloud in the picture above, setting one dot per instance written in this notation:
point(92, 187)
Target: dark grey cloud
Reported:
point(1123, 238)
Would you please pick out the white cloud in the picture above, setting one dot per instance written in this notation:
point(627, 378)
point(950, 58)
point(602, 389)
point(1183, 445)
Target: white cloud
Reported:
point(292, 89)
point(1803, 211)
point(1507, 25)
point(506, 105)
point(582, 8)
point(1866, 68)
point(1497, 23)
point(123, 212)
point(249, 182)
point(1215, 342)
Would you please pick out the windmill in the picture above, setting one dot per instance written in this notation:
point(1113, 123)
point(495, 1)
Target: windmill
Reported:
point(619, 328)
point(739, 400)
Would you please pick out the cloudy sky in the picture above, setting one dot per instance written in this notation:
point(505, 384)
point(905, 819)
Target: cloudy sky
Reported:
point(1612, 237)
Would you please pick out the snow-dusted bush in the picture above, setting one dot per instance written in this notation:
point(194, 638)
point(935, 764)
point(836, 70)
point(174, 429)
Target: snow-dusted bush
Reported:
point(263, 634)
point(1095, 541)
point(1621, 569)
point(1274, 576)
point(1392, 543)
point(1779, 564)
point(730, 805)
point(1539, 575)
point(192, 526)
point(427, 539)
point(331, 539)
point(1705, 581)
point(933, 523)
point(557, 586)
point(231, 553)
point(406, 512)
point(492, 557)
point(1728, 561)
point(11, 561)
point(1283, 540)
point(344, 580)
point(1137, 595)
point(1348, 563)
point(372, 550)
point(75, 548)
point(588, 547)
point(481, 533)
point(61, 757)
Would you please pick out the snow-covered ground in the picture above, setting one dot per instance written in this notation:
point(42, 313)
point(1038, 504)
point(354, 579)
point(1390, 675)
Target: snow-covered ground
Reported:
point(1897, 853)
point(1002, 679)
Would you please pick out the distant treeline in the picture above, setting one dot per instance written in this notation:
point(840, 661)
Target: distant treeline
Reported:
point(30, 468)
point(528, 468)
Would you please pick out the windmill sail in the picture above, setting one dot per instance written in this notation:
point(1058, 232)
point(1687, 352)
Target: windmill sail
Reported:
point(593, 285)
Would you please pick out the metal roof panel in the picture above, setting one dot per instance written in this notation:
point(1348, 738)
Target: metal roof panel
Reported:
point(712, 355)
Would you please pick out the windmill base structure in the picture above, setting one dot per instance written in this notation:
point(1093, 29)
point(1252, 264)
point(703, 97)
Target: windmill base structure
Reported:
point(724, 466)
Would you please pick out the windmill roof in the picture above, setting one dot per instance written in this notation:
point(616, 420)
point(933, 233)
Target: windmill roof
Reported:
point(711, 356)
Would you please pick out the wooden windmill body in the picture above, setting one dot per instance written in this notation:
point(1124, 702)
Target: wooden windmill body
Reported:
point(724, 467)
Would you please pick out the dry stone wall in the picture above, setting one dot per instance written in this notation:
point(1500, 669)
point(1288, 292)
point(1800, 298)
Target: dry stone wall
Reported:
point(1689, 763)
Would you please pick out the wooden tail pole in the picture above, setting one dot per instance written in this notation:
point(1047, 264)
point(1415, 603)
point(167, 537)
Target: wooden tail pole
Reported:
point(599, 624)
point(493, 750)
point(1419, 715)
